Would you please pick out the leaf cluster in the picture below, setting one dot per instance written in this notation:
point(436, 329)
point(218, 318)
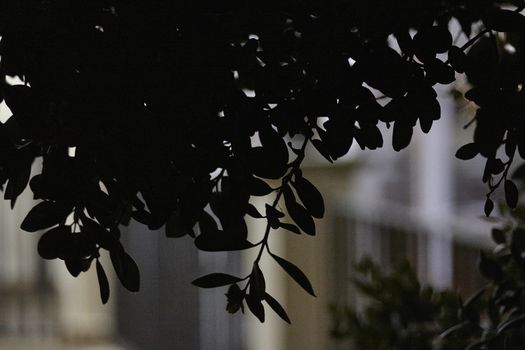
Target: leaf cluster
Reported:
point(400, 313)
point(180, 112)
point(403, 315)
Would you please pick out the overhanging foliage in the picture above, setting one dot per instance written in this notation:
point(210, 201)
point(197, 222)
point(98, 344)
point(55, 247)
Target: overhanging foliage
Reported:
point(157, 95)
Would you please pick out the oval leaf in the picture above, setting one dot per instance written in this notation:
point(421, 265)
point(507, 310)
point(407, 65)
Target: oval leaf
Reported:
point(215, 280)
point(175, 226)
point(74, 266)
point(257, 283)
point(102, 283)
point(295, 273)
point(103, 237)
point(458, 59)
point(401, 136)
point(290, 227)
point(45, 214)
point(310, 196)
point(252, 211)
point(54, 243)
point(255, 306)
point(468, 151)
point(489, 206)
point(220, 241)
point(298, 213)
point(274, 304)
point(258, 187)
point(126, 269)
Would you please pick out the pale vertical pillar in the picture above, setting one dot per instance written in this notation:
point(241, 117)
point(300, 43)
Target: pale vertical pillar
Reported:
point(81, 314)
point(216, 325)
point(366, 191)
point(18, 261)
point(28, 259)
point(10, 244)
point(433, 192)
point(10, 311)
point(270, 334)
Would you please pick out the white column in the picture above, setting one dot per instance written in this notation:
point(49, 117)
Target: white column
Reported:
point(366, 191)
point(81, 314)
point(18, 264)
point(433, 192)
point(271, 333)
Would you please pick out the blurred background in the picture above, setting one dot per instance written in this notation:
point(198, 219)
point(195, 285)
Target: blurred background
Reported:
point(421, 204)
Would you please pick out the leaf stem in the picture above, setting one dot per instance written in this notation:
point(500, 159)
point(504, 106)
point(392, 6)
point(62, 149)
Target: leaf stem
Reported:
point(503, 177)
point(474, 39)
point(286, 179)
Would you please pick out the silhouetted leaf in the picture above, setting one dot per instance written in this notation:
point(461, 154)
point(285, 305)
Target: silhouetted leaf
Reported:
point(272, 212)
point(126, 269)
point(74, 266)
point(215, 280)
point(489, 206)
point(255, 306)
point(103, 237)
point(432, 40)
point(298, 213)
point(295, 273)
point(510, 148)
point(18, 180)
point(495, 166)
point(468, 151)
point(504, 20)
point(310, 196)
point(320, 147)
point(54, 243)
point(174, 227)
point(102, 282)
point(252, 211)
point(274, 304)
point(401, 136)
point(258, 187)
point(257, 282)
point(207, 223)
point(270, 160)
point(457, 59)
point(221, 241)
point(44, 215)
point(290, 227)
point(439, 71)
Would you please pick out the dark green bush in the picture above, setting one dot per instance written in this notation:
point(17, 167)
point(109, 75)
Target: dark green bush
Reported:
point(402, 314)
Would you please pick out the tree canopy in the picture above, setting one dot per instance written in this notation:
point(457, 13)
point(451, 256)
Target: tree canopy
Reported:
point(174, 114)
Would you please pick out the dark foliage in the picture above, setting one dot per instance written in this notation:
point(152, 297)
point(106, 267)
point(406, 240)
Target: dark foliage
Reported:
point(400, 314)
point(403, 315)
point(155, 96)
